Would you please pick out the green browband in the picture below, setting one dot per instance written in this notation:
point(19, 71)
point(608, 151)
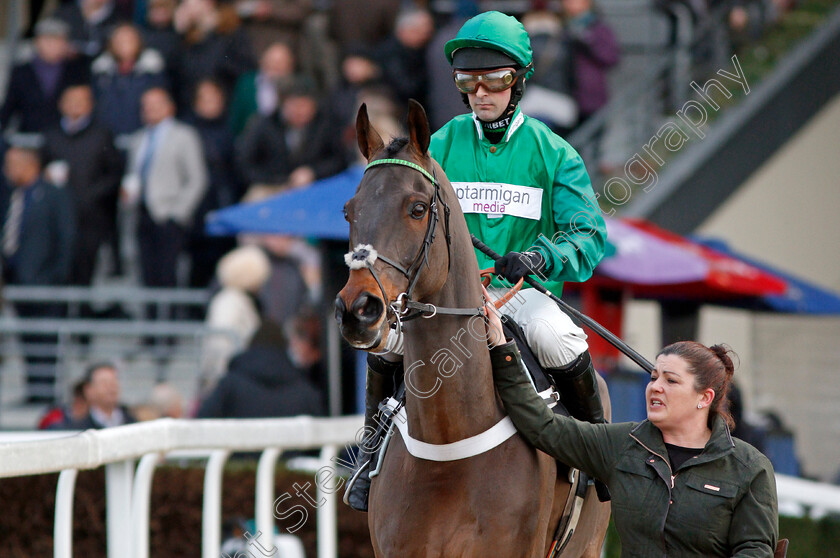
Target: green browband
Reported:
point(403, 162)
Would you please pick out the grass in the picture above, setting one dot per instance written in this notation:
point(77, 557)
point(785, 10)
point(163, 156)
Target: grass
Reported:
point(760, 57)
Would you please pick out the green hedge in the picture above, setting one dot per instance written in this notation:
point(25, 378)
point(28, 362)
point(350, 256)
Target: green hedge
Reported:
point(808, 538)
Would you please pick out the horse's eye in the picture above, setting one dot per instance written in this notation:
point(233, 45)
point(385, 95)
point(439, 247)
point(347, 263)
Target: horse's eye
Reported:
point(346, 215)
point(418, 210)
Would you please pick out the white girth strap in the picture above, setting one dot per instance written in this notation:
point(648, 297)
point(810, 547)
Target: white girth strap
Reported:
point(462, 449)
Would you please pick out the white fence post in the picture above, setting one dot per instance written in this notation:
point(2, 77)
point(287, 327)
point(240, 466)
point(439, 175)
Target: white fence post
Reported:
point(118, 481)
point(264, 499)
point(63, 528)
point(327, 524)
point(140, 497)
point(211, 515)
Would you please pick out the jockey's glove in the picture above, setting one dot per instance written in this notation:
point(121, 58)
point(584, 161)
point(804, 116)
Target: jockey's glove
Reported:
point(513, 266)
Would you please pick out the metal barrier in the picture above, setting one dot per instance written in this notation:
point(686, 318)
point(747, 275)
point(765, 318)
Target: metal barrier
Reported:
point(126, 297)
point(129, 488)
point(63, 342)
point(659, 61)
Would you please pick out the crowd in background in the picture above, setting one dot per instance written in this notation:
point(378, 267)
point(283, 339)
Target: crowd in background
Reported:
point(160, 111)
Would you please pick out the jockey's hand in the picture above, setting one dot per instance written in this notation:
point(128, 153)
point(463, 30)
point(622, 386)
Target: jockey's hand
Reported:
point(513, 266)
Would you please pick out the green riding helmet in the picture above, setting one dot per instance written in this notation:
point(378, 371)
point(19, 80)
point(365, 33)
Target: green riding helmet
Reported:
point(496, 31)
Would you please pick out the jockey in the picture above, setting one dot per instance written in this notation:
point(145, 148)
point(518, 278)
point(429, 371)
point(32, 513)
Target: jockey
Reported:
point(525, 193)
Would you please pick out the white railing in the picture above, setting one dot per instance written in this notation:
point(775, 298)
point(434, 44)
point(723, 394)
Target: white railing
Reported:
point(800, 496)
point(128, 490)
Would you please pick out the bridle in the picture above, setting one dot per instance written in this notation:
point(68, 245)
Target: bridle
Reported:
point(363, 256)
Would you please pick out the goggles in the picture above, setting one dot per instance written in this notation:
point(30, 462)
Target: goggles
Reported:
point(494, 80)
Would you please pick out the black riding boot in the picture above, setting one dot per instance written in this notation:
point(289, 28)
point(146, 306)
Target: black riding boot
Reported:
point(578, 388)
point(380, 384)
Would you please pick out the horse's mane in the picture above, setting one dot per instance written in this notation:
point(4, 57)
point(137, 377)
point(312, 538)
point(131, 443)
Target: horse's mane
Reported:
point(395, 146)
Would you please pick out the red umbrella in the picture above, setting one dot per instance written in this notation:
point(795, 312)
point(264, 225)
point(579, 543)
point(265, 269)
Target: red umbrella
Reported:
point(725, 276)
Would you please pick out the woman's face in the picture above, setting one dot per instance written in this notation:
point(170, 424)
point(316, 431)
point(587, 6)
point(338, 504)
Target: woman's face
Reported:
point(671, 396)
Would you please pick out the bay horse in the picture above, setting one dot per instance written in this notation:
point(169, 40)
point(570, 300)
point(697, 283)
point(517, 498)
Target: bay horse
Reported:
point(414, 256)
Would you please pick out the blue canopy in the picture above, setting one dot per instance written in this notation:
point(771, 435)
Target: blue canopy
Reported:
point(315, 211)
point(801, 296)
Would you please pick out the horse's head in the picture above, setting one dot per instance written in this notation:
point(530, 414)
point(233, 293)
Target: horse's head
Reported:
point(398, 232)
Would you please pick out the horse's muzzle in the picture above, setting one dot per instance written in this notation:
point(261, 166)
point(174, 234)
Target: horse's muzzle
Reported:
point(361, 324)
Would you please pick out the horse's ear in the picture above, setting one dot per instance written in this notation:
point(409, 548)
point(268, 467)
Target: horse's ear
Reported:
point(369, 139)
point(418, 126)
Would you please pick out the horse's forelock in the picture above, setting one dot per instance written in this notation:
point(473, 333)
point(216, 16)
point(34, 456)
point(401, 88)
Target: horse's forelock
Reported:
point(396, 145)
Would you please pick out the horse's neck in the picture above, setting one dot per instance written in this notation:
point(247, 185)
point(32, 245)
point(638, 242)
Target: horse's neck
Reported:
point(449, 382)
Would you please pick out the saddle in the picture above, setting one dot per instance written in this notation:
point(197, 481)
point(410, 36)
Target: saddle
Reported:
point(540, 378)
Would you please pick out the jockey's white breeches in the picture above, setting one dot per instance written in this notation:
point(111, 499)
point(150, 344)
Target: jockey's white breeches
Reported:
point(553, 337)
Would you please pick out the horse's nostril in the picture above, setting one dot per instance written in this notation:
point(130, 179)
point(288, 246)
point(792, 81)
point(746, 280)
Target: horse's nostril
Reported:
point(340, 308)
point(367, 308)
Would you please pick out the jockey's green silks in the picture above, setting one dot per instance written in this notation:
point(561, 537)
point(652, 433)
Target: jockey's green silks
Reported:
point(507, 201)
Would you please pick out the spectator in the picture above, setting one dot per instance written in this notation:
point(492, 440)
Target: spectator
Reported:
point(594, 50)
point(305, 347)
point(82, 160)
point(743, 429)
point(404, 56)
point(262, 382)
point(235, 310)
point(267, 21)
point(259, 92)
point(445, 104)
point(159, 33)
point(361, 22)
point(35, 86)
point(548, 96)
point(295, 278)
point(360, 72)
point(224, 189)
point(90, 23)
point(167, 180)
point(166, 401)
point(214, 47)
point(63, 418)
point(102, 392)
point(293, 146)
point(37, 249)
point(121, 76)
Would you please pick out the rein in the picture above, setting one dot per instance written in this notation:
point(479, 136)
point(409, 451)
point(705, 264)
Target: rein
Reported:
point(364, 256)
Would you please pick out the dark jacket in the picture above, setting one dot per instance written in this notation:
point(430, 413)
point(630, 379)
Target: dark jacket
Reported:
point(223, 57)
point(47, 236)
point(168, 43)
point(27, 100)
point(89, 422)
point(721, 503)
point(95, 171)
point(405, 69)
point(262, 382)
point(118, 94)
point(217, 140)
point(86, 37)
point(264, 156)
point(594, 50)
